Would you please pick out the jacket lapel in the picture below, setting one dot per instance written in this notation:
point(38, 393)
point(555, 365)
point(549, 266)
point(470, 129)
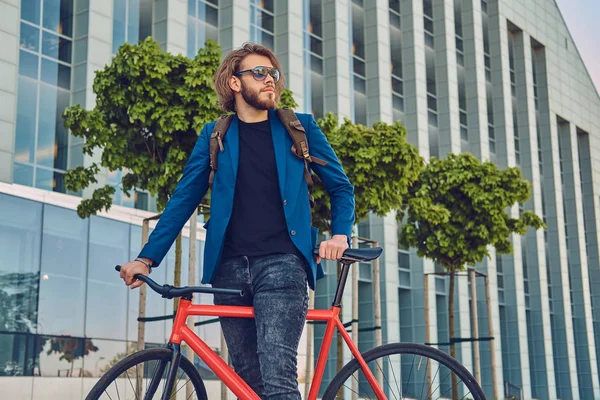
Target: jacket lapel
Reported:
point(278, 134)
point(233, 138)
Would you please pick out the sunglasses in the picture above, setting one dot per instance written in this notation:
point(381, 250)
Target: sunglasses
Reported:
point(260, 73)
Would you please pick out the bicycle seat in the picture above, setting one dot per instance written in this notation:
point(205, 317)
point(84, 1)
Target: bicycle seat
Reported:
point(358, 255)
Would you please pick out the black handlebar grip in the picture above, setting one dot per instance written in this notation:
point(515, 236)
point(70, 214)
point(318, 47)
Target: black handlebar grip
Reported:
point(118, 268)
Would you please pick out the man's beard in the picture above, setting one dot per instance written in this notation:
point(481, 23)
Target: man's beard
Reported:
point(253, 100)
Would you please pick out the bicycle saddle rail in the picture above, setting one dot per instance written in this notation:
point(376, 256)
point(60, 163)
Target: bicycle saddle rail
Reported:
point(169, 291)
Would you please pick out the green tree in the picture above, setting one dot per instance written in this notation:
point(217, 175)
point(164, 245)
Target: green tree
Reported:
point(379, 162)
point(458, 208)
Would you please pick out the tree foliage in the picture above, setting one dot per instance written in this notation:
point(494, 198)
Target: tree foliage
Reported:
point(379, 162)
point(459, 207)
point(150, 108)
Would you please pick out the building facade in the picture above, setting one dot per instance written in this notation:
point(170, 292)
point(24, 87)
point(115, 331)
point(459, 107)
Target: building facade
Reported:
point(501, 79)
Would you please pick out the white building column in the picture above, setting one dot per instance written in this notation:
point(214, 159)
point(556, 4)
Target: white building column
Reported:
point(9, 70)
point(337, 57)
point(414, 76)
point(378, 57)
point(475, 79)
point(234, 24)
point(177, 20)
point(289, 46)
point(446, 77)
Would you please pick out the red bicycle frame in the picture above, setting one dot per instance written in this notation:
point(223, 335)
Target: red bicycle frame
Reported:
point(232, 380)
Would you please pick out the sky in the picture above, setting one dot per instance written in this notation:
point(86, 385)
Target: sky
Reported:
point(583, 20)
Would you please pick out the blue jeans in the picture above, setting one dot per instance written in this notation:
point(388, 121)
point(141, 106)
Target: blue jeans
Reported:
point(264, 350)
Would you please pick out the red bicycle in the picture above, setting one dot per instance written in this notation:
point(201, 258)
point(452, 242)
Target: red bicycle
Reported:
point(404, 370)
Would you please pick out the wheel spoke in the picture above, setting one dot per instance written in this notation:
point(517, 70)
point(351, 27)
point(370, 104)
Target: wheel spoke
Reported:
point(385, 378)
point(413, 371)
point(107, 394)
point(132, 388)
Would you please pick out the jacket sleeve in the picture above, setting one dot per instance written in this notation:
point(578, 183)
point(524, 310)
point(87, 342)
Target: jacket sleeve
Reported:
point(337, 185)
point(190, 190)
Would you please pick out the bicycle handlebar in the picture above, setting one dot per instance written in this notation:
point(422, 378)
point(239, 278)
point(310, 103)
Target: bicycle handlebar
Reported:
point(169, 291)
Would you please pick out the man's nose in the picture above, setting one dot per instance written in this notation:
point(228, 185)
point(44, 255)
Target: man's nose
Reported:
point(269, 79)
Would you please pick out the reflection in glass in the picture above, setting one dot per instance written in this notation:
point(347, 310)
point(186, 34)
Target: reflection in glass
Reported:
point(30, 11)
point(56, 47)
point(64, 253)
point(106, 311)
point(30, 37)
point(56, 74)
point(46, 148)
point(119, 24)
point(53, 139)
point(26, 115)
point(107, 354)
point(58, 16)
point(49, 180)
point(16, 355)
point(62, 356)
point(28, 65)
point(23, 174)
point(19, 263)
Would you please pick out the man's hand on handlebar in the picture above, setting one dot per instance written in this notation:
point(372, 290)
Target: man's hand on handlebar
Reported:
point(130, 269)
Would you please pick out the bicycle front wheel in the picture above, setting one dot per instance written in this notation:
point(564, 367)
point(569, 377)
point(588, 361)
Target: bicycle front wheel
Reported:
point(402, 370)
point(142, 375)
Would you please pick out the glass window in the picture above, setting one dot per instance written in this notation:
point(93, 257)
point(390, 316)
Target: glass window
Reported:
point(403, 260)
point(316, 24)
point(26, 117)
point(56, 74)
point(106, 310)
point(49, 180)
point(30, 11)
point(119, 24)
point(20, 235)
point(133, 21)
point(62, 357)
point(317, 84)
point(23, 174)
point(58, 16)
point(30, 37)
point(360, 108)
point(358, 16)
point(56, 47)
point(16, 359)
point(107, 354)
point(28, 65)
point(52, 146)
point(62, 284)
point(47, 121)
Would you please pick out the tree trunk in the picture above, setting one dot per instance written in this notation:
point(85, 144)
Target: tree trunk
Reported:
point(177, 272)
point(451, 328)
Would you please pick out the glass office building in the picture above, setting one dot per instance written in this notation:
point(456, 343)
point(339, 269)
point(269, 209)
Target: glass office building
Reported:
point(501, 79)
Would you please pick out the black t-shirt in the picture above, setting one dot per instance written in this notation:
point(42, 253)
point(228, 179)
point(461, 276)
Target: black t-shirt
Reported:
point(257, 226)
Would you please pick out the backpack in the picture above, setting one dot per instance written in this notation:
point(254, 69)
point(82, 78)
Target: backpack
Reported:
point(294, 128)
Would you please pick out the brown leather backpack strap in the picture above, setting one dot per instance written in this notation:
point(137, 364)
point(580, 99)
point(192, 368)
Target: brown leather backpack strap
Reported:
point(216, 143)
point(300, 148)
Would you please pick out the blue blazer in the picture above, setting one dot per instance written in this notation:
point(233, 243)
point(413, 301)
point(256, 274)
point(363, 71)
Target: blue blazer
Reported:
point(294, 194)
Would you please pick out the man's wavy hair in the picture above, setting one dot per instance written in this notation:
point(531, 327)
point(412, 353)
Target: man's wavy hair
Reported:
point(232, 63)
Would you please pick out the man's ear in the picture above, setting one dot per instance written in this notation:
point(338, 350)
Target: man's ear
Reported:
point(235, 84)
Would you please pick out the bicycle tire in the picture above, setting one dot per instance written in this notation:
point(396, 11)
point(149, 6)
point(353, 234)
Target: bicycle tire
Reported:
point(140, 357)
point(405, 349)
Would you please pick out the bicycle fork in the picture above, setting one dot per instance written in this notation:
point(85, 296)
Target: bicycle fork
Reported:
point(171, 374)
